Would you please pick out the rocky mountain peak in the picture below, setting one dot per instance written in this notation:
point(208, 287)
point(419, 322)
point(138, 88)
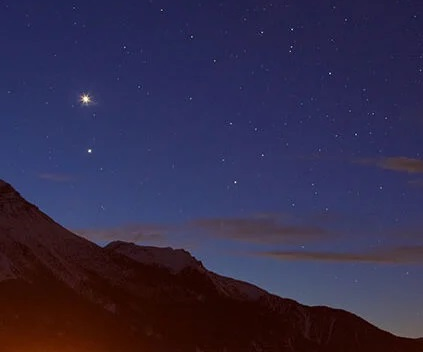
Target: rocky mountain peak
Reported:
point(172, 259)
point(11, 202)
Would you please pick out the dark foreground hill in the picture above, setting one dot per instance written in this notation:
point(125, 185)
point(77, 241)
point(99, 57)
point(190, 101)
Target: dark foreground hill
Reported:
point(60, 292)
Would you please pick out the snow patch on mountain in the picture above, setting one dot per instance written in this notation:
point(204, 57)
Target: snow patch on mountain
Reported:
point(235, 288)
point(175, 260)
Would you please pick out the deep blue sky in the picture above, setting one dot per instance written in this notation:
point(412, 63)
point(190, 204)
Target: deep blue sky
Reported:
point(279, 141)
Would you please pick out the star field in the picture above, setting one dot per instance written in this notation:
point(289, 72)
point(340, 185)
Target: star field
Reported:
point(279, 141)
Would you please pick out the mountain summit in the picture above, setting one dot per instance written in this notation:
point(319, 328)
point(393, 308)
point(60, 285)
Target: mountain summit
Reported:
point(11, 202)
point(175, 260)
point(59, 291)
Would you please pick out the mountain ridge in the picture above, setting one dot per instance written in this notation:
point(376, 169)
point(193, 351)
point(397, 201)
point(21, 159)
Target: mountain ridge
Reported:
point(79, 296)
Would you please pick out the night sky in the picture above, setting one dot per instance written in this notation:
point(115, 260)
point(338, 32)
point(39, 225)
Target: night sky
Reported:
point(279, 141)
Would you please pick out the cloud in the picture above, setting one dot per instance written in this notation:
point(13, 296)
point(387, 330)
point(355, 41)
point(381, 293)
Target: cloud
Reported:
point(131, 233)
point(263, 229)
point(56, 177)
point(267, 228)
point(398, 163)
point(393, 255)
point(416, 183)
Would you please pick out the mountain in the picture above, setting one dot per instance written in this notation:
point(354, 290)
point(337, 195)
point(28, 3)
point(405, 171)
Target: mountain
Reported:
point(59, 291)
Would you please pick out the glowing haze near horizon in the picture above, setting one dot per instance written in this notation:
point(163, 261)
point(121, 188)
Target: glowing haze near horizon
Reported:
point(279, 141)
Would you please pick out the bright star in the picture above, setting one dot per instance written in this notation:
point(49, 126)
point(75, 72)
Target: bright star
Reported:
point(85, 99)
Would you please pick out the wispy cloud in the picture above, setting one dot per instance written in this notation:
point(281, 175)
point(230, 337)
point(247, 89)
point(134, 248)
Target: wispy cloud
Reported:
point(260, 229)
point(56, 177)
point(263, 229)
point(398, 163)
point(131, 233)
point(392, 255)
point(416, 183)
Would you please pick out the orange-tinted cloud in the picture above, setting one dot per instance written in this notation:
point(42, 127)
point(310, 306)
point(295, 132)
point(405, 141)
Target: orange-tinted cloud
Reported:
point(416, 183)
point(398, 163)
point(132, 233)
point(393, 255)
point(264, 229)
point(56, 177)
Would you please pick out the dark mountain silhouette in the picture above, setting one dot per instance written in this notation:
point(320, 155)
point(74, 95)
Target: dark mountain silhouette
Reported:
point(60, 292)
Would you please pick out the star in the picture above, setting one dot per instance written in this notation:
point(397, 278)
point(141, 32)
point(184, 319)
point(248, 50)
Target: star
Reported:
point(89, 151)
point(85, 99)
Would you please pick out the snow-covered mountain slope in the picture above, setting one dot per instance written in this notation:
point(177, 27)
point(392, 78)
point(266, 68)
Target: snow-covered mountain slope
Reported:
point(30, 241)
point(177, 260)
point(60, 291)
